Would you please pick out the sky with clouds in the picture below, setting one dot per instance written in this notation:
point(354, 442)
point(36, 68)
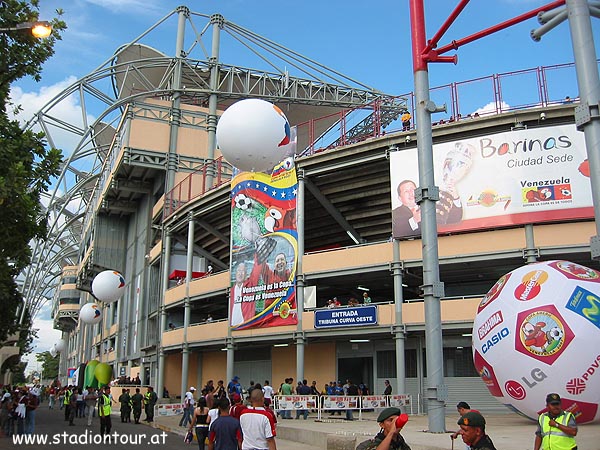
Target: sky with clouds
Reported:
point(367, 41)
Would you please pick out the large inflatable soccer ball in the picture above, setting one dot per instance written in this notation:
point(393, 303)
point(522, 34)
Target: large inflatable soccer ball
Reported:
point(60, 345)
point(537, 331)
point(108, 286)
point(253, 135)
point(90, 313)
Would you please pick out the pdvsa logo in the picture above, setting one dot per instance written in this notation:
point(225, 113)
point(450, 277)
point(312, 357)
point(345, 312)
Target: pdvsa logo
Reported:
point(531, 285)
point(543, 334)
point(576, 386)
point(494, 292)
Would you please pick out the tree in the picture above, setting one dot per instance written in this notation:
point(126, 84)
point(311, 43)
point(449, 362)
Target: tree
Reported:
point(27, 165)
point(49, 365)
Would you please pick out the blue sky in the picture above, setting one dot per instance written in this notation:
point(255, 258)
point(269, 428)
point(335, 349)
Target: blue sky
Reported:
point(367, 41)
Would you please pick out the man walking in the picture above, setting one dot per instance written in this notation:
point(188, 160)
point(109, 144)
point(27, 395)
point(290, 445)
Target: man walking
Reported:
point(90, 402)
point(258, 425)
point(556, 428)
point(188, 407)
point(225, 432)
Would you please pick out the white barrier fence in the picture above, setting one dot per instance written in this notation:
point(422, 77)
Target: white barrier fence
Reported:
point(331, 404)
point(168, 409)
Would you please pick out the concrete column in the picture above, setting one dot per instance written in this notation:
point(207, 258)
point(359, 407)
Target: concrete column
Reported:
point(399, 329)
point(185, 355)
point(166, 263)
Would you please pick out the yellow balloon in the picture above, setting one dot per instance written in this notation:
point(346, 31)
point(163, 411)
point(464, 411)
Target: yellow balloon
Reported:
point(103, 374)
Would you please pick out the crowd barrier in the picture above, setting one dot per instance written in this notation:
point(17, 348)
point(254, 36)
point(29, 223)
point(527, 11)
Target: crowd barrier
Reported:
point(330, 404)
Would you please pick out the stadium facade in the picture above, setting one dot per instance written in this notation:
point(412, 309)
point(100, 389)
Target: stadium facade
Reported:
point(157, 208)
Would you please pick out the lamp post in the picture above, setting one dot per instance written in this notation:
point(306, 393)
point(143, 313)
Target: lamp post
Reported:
point(39, 29)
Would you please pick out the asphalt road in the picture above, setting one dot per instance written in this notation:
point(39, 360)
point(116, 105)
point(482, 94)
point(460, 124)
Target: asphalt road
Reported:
point(52, 430)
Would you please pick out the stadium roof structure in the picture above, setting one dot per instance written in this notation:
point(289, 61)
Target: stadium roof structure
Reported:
point(302, 87)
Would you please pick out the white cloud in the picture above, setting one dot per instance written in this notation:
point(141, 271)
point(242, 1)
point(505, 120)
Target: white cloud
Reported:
point(490, 108)
point(68, 109)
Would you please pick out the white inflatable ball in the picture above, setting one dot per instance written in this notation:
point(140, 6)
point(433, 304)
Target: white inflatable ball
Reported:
point(53, 352)
point(90, 313)
point(536, 332)
point(108, 286)
point(60, 345)
point(253, 135)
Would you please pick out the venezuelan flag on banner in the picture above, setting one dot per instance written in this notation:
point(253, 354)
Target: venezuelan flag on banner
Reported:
point(264, 248)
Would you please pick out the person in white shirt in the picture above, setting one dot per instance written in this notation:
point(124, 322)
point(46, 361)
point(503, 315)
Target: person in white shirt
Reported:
point(258, 424)
point(268, 393)
point(188, 407)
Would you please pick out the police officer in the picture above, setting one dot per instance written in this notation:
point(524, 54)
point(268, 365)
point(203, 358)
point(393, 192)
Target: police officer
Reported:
point(556, 428)
point(104, 410)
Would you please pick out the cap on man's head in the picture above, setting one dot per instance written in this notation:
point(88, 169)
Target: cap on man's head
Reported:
point(387, 413)
point(236, 378)
point(553, 399)
point(236, 398)
point(192, 388)
point(472, 419)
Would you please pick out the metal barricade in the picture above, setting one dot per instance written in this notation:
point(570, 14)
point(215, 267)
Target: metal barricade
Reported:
point(284, 403)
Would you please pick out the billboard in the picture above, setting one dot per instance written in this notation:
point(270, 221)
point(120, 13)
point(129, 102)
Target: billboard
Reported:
point(502, 179)
point(264, 248)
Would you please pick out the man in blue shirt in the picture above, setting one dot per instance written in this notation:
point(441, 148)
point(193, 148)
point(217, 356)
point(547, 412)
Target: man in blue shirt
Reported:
point(225, 432)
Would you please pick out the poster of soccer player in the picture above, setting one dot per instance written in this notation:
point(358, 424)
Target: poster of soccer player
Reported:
point(264, 248)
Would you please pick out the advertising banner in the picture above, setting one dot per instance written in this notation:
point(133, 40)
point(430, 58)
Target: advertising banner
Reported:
point(346, 317)
point(264, 244)
point(374, 401)
point(335, 402)
point(173, 409)
point(294, 402)
point(400, 400)
point(502, 179)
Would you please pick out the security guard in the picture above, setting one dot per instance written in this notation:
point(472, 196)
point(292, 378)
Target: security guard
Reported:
point(556, 428)
point(150, 400)
point(66, 402)
point(104, 410)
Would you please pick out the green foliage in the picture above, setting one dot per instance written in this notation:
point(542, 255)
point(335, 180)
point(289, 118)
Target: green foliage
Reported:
point(26, 164)
point(49, 365)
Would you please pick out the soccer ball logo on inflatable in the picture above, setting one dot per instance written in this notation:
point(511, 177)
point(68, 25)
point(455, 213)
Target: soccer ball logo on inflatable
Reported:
point(536, 332)
point(253, 135)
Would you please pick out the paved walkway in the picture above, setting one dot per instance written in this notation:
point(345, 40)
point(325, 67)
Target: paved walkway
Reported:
point(508, 431)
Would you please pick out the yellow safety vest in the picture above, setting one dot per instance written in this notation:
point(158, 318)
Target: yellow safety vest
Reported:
point(552, 437)
point(67, 398)
point(105, 408)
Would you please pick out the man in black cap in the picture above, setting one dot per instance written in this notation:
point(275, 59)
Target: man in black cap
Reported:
point(556, 428)
point(389, 437)
point(472, 430)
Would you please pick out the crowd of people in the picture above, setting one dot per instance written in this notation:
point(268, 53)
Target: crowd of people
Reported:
point(232, 418)
point(18, 406)
point(352, 301)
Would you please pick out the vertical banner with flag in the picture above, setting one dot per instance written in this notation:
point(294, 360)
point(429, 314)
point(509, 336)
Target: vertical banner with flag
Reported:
point(264, 248)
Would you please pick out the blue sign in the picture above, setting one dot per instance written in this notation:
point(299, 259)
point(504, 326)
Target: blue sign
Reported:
point(346, 317)
point(586, 304)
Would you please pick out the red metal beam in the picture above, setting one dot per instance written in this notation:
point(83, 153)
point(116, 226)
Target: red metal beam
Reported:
point(432, 43)
point(433, 55)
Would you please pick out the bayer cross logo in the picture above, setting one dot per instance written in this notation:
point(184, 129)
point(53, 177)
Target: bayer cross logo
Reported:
point(575, 386)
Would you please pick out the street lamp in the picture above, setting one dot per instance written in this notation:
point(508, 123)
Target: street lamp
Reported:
point(40, 29)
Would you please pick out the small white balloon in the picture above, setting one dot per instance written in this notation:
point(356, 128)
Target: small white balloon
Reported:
point(90, 313)
point(253, 135)
point(60, 345)
point(53, 352)
point(108, 286)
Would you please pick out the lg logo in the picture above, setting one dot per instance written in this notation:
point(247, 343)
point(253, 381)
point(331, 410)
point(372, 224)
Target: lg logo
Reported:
point(516, 389)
